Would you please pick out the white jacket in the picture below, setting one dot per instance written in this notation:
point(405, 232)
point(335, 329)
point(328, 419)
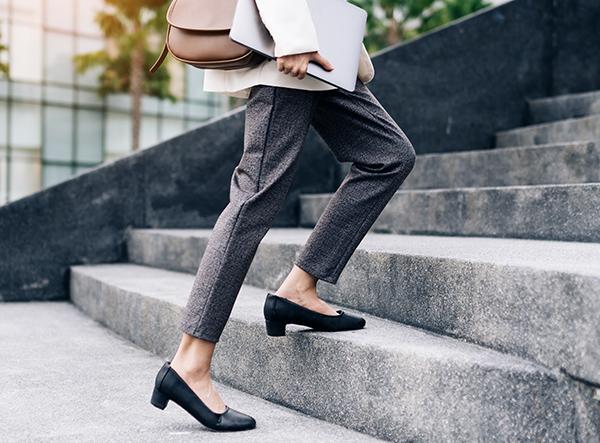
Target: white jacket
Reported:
point(291, 26)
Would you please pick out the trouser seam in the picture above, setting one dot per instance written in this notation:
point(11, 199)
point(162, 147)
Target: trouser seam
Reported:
point(350, 242)
point(359, 230)
point(271, 113)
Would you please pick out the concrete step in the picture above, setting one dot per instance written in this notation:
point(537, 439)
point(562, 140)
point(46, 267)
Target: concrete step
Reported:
point(532, 165)
point(535, 299)
point(388, 380)
point(546, 212)
point(72, 380)
point(563, 131)
point(564, 106)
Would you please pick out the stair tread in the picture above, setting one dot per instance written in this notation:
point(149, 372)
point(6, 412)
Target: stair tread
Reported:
point(538, 300)
point(482, 188)
point(557, 123)
point(562, 107)
point(388, 380)
point(566, 212)
point(115, 407)
point(573, 257)
point(174, 287)
point(555, 98)
point(542, 164)
point(503, 150)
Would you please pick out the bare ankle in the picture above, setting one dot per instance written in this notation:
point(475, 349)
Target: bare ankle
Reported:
point(298, 283)
point(189, 367)
point(193, 357)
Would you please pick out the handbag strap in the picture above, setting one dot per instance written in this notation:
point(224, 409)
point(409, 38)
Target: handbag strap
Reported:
point(161, 58)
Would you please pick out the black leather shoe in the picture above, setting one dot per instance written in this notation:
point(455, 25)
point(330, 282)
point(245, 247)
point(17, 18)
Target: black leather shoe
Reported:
point(280, 312)
point(170, 386)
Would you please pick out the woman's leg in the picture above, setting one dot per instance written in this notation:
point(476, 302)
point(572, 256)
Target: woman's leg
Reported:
point(357, 129)
point(277, 121)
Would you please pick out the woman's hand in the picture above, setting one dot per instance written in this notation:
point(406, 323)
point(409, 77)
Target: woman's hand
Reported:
point(296, 64)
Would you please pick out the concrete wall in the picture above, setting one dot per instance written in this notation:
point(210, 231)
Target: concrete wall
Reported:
point(180, 183)
point(451, 89)
point(576, 62)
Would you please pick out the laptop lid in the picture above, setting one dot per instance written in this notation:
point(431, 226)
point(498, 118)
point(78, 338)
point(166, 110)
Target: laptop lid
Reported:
point(340, 28)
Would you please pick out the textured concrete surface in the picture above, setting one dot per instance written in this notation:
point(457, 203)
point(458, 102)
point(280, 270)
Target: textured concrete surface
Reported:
point(388, 380)
point(547, 212)
point(536, 299)
point(491, 63)
point(483, 89)
point(81, 220)
point(179, 183)
point(531, 165)
point(570, 130)
point(448, 98)
point(576, 46)
point(68, 379)
point(564, 107)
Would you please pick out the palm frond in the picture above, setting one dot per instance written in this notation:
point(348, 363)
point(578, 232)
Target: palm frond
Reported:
point(111, 24)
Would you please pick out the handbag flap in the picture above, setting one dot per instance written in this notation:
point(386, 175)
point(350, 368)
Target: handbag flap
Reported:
point(202, 15)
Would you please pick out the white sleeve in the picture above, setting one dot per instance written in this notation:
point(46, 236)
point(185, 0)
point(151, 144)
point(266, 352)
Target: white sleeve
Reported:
point(290, 25)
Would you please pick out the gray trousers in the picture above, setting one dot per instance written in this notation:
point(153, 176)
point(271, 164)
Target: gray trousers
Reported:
point(357, 129)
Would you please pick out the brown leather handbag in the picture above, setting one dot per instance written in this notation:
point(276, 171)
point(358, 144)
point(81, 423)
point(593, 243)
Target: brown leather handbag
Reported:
point(198, 34)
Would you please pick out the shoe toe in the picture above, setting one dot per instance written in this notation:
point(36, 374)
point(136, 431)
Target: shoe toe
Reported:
point(355, 322)
point(236, 420)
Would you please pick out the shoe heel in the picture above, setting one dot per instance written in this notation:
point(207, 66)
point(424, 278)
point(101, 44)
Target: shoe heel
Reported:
point(159, 399)
point(275, 328)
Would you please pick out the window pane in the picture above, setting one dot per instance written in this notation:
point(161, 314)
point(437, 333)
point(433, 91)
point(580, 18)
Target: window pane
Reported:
point(28, 11)
point(118, 134)
point(195, 79)
point(201, 112)
point(177, 87)
point(89, 136)
point(59, 54)
point(149, 135)
point(55, 174)
point(171, 109)
point(60, 14)
point(171, 127)
point(24, 177)
point(89, 98)
point(60, 95)
point(58, 133)
point(3, 127)
point(3, 147)
point(150, 105)
point(192, 124)
point(25, 126)
point(82, 169)
point(86, 12)
point(26, 53)
point(85, 45)
point(121, 102)
point(3, 179)
point(26, 91)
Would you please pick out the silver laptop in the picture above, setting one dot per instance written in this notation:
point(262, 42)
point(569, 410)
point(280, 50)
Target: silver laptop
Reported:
point(340, 30)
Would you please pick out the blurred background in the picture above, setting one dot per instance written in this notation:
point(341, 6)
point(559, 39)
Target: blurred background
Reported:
point(75, 92)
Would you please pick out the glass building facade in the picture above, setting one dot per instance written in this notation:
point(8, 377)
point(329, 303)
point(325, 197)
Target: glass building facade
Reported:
point(53, 124)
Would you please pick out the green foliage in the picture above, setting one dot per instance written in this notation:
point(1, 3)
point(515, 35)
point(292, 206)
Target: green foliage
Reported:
point(126, 24)
point(452, 10)
point(393, 21)
point(4, 69)
point(116, 69)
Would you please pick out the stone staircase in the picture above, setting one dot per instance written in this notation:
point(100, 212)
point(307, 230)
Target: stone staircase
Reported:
point(480, 283)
